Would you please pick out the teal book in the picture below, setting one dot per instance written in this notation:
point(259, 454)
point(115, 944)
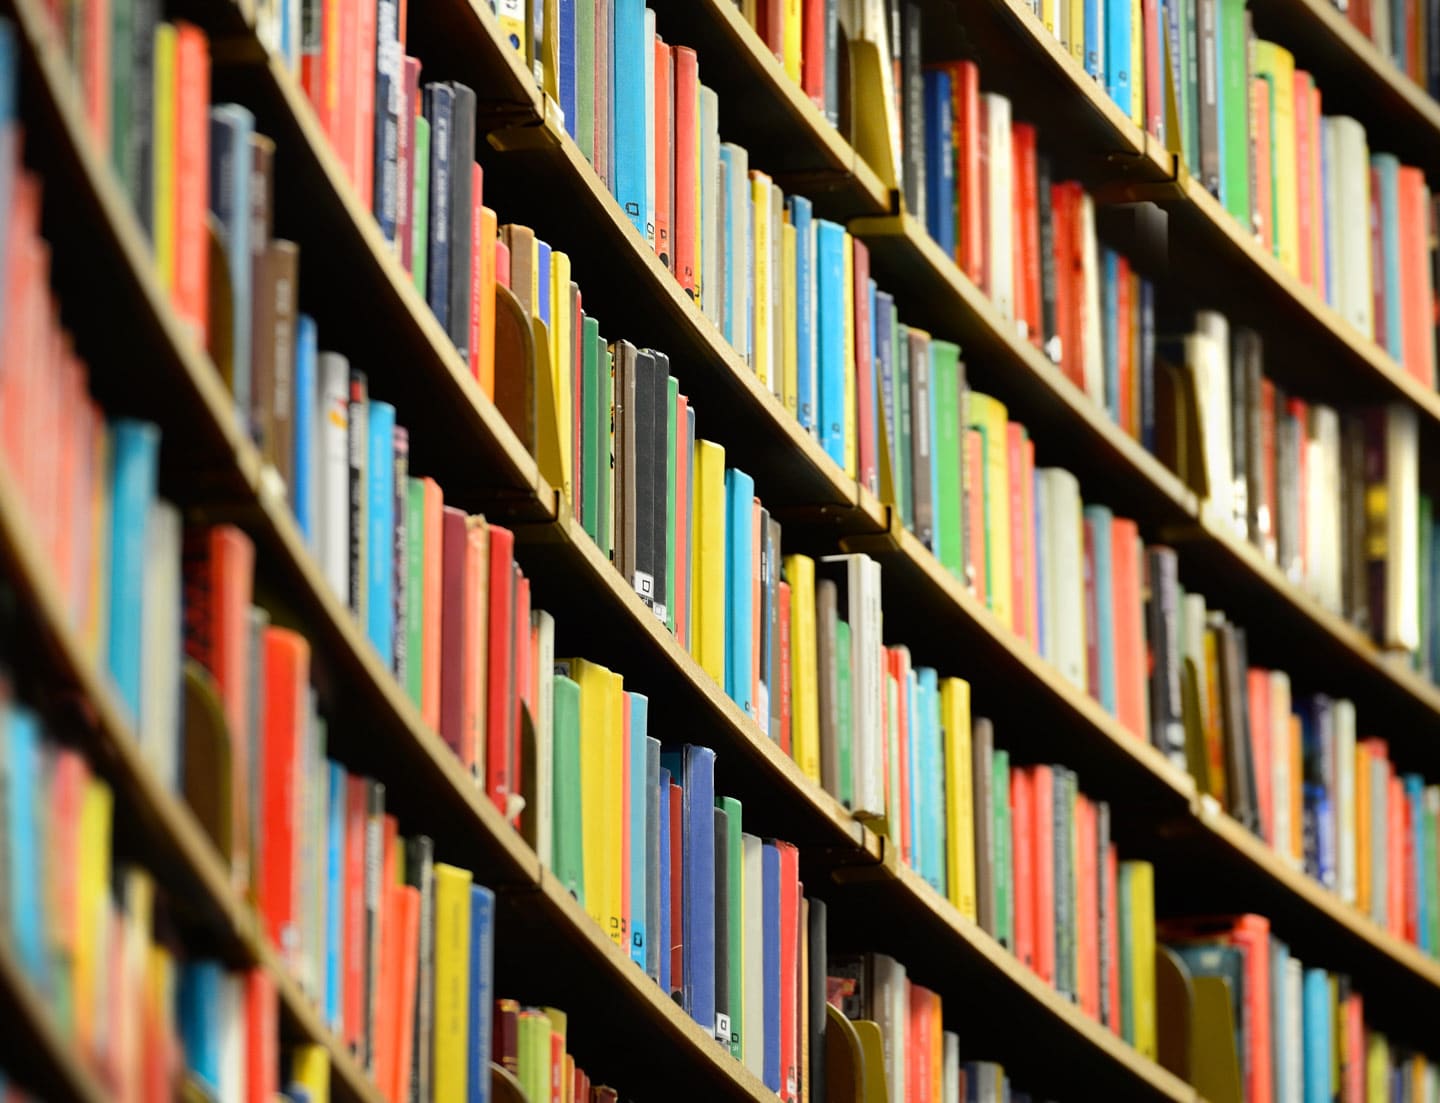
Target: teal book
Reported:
point(637, 708)
point(929, 690)
point(739, 579)
point(1280, 1012)
point(832, 367)
point(1316, 1036)
point(420, 205)
point(627, 91)
point(945, 388)
point(912, 738)
point(1098, 522)
point(1110, 328)
point(380, 563)
point(1385, 170)
point(844, 714)
point(20, 769)
point(735, 931)
point(568, 824)
point(135, 460)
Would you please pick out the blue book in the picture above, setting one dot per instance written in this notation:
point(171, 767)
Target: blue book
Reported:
point(334, 894)
point(655, 872)
point(482, 991)
point(1317, 1036)
point(627, 92)
point(135, 459)
point(1098, 522)
point(380, 569)
point(940, 159)
point(302, 494)
point(1317, 743)
point(199, 1005)
point(663, 794)
point(770, 961)
point(832, 61)
point(439, 104)
point(1095, 44)
point(1415, 798)
point(639, 811)
point(230, 129)
point(542, 280)
point(1118, 78)
point(1387, 168)
point(802, 219)
point(20, 768)
point(1110, 328)
point(1279, 1017)
point(695, 766)
point(832, 368)
point(739, 570)
point(566, 35)
point(882, 320)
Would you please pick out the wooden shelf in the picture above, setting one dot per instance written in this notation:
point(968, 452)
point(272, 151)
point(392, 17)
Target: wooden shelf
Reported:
point(38, 1057)
point(784, 132)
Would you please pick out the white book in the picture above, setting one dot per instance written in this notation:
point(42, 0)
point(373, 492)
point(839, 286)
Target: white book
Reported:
point(1324, 537)
point(867, 656)
point(741, 252)
point(1207, 352)
point(647, 42)
point(1092, 357)
point(162, 621)
point(1001, 213)
point(232, 1039)
point(545, 737)
point(752, 1034)
point(1065, 573)
point(892, 1012)
point(950, 1092)
point(1192, 645)
point(1350, 250)
point(1345, 826)
point(332, 472)
point(708, 276)
point(138, 904)
point(1044, 557)
point(1280, 783)
point(1294, 1051)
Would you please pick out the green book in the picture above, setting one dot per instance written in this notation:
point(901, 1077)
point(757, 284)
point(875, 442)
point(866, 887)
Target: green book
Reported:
point(735, 862)
point(415, 588)
point(671, 513)
point(1431, 857)
point(1126, 927)
point(844, 710)
point(569, 858)
point(904, 481)
point(420, 205)
point(590, 429)
point(585, 79)
point(1001, 843)
point(945, 373)
point(1189, 92)
point(687, 457)
point(1235, 121)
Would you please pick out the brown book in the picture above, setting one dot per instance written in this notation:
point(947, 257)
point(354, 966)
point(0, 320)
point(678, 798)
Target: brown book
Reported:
point(1355, 601)
point(262, 206)
point(982, 748)
point(282, 283)
point(506, 1051)
point(477, 641)
point(520, 240)
point(515, 384)
point(921, 444)
point(826, 617)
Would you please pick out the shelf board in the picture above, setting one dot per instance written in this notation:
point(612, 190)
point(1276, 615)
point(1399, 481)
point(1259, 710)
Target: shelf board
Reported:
point(761, 107)
point(38, 1056)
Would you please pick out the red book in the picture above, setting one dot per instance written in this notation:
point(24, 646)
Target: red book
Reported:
point(1087, 910)
point(1410, 913)
point(1027, 232)
point(475, 718)
point(95, 68)
point(1395, 838)
point(557, 1068)
point(356, 813)
point(582, 1087)
point(664, 139)
point(364, 116)
point(812, 50)
point(191, 293)
point(1022, 818)
point(682, 529)
point(287, 683)
point(969, 172)
point(1064, 202)
point(523, 681)
point(1258, 692)
point(1092, 615)
point(405, 161)
point(684, 216)
point(500, 781)
point(866, 404)
point(1127, 561)
point(1262, 201)
point(1154, 96)
point(347, 74)
point(975, 522)
point(1020, 595)
point(677, 892)
point(262, 1037)
point(785, 673)
point(1417, 301)
point(408, 943)
point(385, 1030)
point(432, 578)
point(1128, 406)
point(770, 22)
point(1360, 16)
point(1111, 934)
point(790, 935)
point(1354, 1026)
point(1044, 842)
point(316, 67)
point(453, 657)
point(1305, 211)
point(1251, 933)
point(628, 787)
point(505, 1046)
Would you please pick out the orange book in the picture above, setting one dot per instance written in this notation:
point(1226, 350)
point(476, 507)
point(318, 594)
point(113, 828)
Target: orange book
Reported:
point(1027, 232)
point(287, 683)
point(1364, 871)
point(663, 139)
point(1305, 211)
point(1417, 298)
point(95, 68)
point(1065, 215)
point(500, 781)
point(192, 178)
point(1124, 328)
point(1258, 693)
point(1044, 842)
point(432, 578)
point(386, 1031)
point(1111, 935)
point(975, 522)
point(1263, 201)
point(262, 1037)
point(1127, 566)
point(353, 998)
point(1087, 912)
point(477, 635)
point(407, 942)
point(969, 139)
point(1022, 820)
point(1021, 597)
point(363, 118)
point(347, 74)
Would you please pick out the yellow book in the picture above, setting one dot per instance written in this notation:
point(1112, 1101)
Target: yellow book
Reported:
point(162, 152)
point(852, 438)
point(707, 577)
point(452, 981)
point(562, 354)
point(1377, 1066)
point(790, 342)
point(1050, 15)
point(511, 16)
point(990, 417)
point(804, 675)
point(1137, 883)
point(1137, 64)
point(310, 1068)
point(92, 909)
point(1075, 41)
point(534, 1045)
point(594, 682)
point(612, 797)
point(959, 795)
point(762, 290)
point(792, 39)
point(748, 10)
point(1277, 65)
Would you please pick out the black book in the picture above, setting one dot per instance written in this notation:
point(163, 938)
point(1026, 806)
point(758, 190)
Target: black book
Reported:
point(816, 995)
point(1162, 630)
point(913, 124)
point(385, 161)
point(1049, 325)
point(1147, 365)
point(658, 471)
point(420, 872)
point(1235, 683)
point(138, 154)
point(722, 928)
point(439, 107)
point(462, 161)
point(358, 443)
point(1207, 85)
point(646, 450)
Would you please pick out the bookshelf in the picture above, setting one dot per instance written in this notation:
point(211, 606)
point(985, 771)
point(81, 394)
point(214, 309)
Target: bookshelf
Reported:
point(462, 437)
